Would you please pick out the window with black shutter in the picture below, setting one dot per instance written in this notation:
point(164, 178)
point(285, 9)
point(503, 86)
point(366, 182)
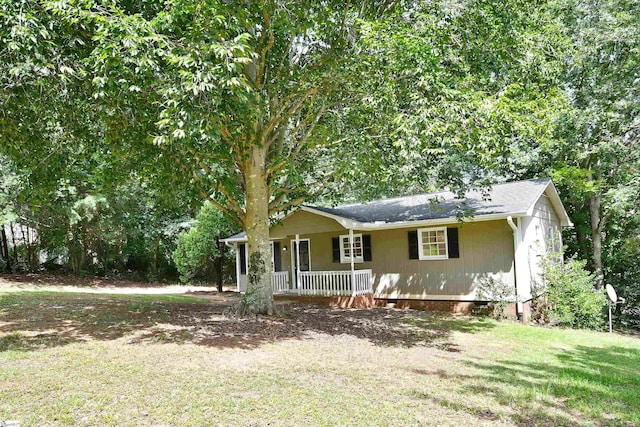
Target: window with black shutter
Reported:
point(434, 243)
point(344, 249)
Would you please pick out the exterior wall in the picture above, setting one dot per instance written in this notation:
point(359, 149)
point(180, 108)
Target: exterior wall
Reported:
point(302, 222)
point(486, 251)
point(539, 234)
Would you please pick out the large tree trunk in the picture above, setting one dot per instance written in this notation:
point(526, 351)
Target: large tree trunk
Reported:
point(259, 297)
point(595, 206)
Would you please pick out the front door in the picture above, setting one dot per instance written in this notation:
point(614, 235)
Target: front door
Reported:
point(305, 259)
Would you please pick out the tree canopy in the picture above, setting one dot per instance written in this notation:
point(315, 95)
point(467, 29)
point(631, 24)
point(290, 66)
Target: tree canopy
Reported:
point(258, 107)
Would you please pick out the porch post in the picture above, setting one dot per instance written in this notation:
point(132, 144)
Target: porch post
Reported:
point(353, 273)
point(298, 262)
point(238, 270)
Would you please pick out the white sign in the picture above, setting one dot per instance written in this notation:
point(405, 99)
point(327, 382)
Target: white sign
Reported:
point(613, 296)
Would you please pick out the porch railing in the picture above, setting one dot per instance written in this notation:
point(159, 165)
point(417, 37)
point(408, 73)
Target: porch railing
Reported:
point(280, 282)
point(332, 283)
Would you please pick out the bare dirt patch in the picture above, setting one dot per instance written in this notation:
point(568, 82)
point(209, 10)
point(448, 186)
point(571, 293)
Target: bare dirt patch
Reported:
point(52, 319)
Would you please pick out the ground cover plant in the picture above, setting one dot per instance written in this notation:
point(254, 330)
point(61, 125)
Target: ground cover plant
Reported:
point(88, 359)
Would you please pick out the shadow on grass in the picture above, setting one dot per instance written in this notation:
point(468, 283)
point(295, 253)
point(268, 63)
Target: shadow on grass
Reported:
point(582, 386)
point(30, 321)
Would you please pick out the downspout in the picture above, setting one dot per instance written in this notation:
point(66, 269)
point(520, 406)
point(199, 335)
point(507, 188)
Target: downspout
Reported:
point(514, 227)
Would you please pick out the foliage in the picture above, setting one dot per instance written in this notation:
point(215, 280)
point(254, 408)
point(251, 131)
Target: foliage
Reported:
point(593, 152)
point(571, 295)
point(498, 292)
point(264, 105)
point(198, 249)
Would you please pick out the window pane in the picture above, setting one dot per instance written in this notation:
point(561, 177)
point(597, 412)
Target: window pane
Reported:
point(442, 248)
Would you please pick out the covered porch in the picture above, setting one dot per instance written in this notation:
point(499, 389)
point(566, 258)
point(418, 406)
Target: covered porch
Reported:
point(292, 272)
point(324, 283)
point(318, 283)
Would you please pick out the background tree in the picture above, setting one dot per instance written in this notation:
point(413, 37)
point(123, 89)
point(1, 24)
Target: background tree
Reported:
point(200, 252)
point(263, 105)
point(593, 153)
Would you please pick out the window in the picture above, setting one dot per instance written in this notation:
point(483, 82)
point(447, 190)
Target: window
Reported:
point(432, 243)
point(345, 252)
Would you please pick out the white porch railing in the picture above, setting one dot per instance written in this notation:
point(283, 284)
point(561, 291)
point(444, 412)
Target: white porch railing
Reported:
point(335, 283)
point(320, 283)
point(280, 282)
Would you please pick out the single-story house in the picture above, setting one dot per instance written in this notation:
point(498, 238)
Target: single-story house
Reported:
point(414, 249)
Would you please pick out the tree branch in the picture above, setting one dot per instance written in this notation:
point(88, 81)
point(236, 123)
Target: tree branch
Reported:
point(262, 70)
point(217, 187)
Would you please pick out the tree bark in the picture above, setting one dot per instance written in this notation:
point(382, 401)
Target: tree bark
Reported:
point(595, 206)
point(219, 262)
point(4, 248)
point(15, 246)
point(259, 297)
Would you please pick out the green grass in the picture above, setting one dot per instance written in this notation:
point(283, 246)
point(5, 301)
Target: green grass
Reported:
point(85, 359)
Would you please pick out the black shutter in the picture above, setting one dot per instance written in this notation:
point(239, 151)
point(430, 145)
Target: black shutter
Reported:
point(243, 258)
point(413, 244)
point(366, 247)
point(335, 245)
point(452, 240)
point(277, 257)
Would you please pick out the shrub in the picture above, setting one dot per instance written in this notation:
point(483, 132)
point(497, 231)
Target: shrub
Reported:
point(571, 297)
point(197, 251)
point(498, 293)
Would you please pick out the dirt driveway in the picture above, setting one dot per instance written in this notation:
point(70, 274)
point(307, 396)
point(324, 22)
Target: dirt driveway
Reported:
point(97, 285)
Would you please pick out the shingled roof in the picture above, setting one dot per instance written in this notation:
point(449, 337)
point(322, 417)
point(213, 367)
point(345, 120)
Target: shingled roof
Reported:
point(508, 199)
point(502, 200)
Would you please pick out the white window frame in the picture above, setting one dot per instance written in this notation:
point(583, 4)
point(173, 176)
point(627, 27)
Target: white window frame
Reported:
point(421, 254)
point(344, 259)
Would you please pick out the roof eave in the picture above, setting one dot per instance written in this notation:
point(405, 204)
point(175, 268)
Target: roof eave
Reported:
point(347, 223)
point(439, 221)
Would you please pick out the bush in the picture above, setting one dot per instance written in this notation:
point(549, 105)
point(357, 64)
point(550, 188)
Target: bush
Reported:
point(197, 251)
point(498, 293)
point(571, 297)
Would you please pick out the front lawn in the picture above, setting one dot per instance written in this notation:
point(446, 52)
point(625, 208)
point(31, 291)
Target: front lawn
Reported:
point(84, 359)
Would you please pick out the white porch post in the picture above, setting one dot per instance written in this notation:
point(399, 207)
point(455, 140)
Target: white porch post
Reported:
point(298, 262)
point(238, 270)
point(353, 273)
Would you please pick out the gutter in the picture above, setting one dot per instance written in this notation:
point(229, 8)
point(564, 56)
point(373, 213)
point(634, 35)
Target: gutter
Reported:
point(514, 228)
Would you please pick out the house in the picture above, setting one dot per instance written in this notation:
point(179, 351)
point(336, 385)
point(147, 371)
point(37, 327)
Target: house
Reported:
point(413, 250)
